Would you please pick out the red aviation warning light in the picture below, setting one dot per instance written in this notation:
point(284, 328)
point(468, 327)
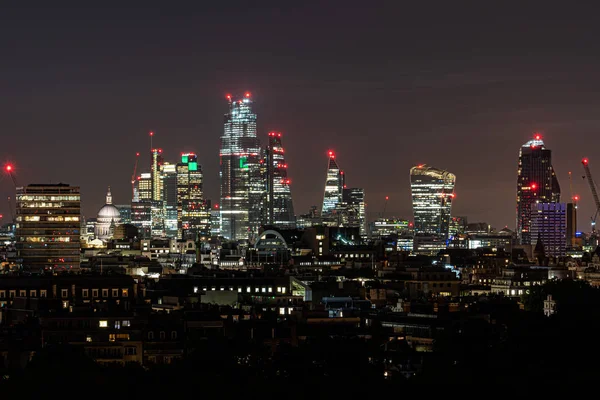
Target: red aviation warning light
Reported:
point(585, 161)
point(8, 168)
point(387, 198)
point(247, 95)
point(137, 154)
point(537, 136)
point(331, 154)
point(228, 96)
point(151, 133)
point(216, 206)
point(533, 186)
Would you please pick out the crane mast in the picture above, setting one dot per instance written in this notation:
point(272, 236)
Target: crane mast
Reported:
point(133, 176)
point(588, 174)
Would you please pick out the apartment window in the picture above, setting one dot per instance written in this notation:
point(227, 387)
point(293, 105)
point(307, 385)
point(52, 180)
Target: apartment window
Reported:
point(126, 323)
point(94, 292)
point(115, 293)
point(130, 351)
point(85, 292)
point(117, 324)
point(264, 290)
point(248, 289)
point(239, 290)
point(22, 293)
point(64, 293)
point(2, 294)
point(104, 293)
point(42, 293)
point(151, 335)
point(270, 289)
point(283, 290)
point(174, 335)
point(123, 336)
point(103, 324)
point(256, 290)
point(88, 339)
point(195, 289)
point(278, 289)
point(162, 334)
point(111, 337)
point(12, 293)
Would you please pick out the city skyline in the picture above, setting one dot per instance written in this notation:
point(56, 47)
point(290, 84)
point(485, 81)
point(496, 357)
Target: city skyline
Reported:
point(436, 101)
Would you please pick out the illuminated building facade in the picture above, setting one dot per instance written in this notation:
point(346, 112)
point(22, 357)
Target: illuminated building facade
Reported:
point(141, 218)
point(156, 162)
point(48, 227)
point(279, 206)
point(549, 224)
point(124, 212)
point(536, 183)
point(334, 185)
point(144, 187)
point(432, 191)
point(168, 173)
point(241, 187)
point(353, 209)
point(193, 212)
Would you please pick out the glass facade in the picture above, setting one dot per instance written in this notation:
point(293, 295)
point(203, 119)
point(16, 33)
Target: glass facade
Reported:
point(432, 192)
point(241, 186)
point(141, 218)
point(334, 185)
point(549, 224)
point(48, 227)
point(536, 183)
point(193, 212)
point(169, 196)
point(156, 162)
point(353, 209)
point(279, 205)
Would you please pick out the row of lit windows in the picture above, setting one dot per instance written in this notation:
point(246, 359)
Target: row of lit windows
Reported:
point(264, 289)
point(47, 239)
point(26, 197)
point(35, 218)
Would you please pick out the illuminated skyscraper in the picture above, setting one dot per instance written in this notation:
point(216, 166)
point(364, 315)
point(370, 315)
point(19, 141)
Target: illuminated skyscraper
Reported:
point(353, 209)
point(156, 161)
point(193, 212)
point(279, 206)
point(48, 227)
point(334, 184)
point(241, 188)
point(549, 224)
point(144, 187)
point(432, 194)
point(536, 183)
point(168, 174)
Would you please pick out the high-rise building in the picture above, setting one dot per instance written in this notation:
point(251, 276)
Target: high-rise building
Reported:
point(48, 227)
point(279, 205)
point(536, 183)
point(168, 173)
point(549, 225)
point(352, 210)
point(144, 187)
point(124, 212)
point(432, 192)
point(141, 218)
point(193, 212)
point(156, 161)
point(571, 225)
point(334, 184)
point(241, 188)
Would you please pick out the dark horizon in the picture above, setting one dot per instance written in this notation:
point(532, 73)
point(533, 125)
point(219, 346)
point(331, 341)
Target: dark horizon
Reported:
point(386, 88)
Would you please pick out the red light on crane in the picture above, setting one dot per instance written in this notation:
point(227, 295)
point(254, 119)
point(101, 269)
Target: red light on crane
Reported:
point(137, 154)
point(228, 96)
point(387, 198)
point(585, 161)
point(576, 198)
point(8, 168)
point(151, 133)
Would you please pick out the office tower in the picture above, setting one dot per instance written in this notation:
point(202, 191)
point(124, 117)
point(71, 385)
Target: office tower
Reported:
point(156, 161)
point(241, 190)
point(141, 218)
point(432, 192)
point(334, 184)
point(144, 187)
point(549, 224)
point(124, 212)
point(279, 206)
point(536, 183)
point(168, 174)
point(193, 212)
point(215, 221)
point(352, 211)
point(48, 227)
point(571, 224)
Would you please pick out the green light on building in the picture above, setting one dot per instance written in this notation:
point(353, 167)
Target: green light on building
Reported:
point(184, 159)
point(244, 162)
point(193, 166)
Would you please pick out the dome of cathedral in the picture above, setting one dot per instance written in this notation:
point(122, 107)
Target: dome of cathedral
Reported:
point(109, 211)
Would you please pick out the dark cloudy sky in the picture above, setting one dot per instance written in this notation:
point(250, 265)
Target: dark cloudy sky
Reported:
point(387, 85)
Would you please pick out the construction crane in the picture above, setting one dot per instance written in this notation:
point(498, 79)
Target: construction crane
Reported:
point(574, 197)
point(12, 215)
point(385, 205)
point(137, 156)
point(10, 169)
point(588, 175)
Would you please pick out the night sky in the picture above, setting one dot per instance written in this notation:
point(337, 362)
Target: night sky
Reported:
point(457, 85)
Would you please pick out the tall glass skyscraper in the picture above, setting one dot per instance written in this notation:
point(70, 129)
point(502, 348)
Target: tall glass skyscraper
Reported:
point(279, 206)
point(334, 185)
point(169, 186)
point(193, 212)
point(536, 183)
point(353, 209)
point(241, 186)
point(432, 194)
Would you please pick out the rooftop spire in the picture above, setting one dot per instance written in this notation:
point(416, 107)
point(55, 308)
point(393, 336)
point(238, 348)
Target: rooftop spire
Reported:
point(108, 196)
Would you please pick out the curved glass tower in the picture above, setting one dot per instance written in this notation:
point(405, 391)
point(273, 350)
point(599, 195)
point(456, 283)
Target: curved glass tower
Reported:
point(241, 189)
